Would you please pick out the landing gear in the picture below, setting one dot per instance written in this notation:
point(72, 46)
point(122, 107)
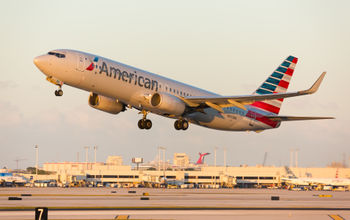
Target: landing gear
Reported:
point(59, 92)
point(144, 123)
point(181, 124)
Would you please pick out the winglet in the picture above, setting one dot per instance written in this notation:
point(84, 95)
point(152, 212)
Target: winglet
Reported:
point(315, 86)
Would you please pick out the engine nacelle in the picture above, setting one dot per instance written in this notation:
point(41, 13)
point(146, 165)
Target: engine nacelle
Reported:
point(168, 104)
point(105, 104)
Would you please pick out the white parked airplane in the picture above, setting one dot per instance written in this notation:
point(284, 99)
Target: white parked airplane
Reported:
point(113, 86)
point(294, 180)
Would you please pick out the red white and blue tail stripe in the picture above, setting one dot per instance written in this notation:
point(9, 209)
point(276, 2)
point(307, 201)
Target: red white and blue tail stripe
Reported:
point(277, 82)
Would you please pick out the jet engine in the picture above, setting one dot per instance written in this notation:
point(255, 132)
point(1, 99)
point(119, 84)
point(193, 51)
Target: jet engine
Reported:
point(105, 104)
point(168, 104)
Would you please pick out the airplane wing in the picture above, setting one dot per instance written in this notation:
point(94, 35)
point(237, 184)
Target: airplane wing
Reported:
point(294, 118)
point(219, 102)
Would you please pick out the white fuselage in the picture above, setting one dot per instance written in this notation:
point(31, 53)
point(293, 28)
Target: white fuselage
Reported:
point(315, 181)
point(134, 87)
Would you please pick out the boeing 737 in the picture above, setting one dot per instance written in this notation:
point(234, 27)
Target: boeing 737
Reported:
point(114, 87)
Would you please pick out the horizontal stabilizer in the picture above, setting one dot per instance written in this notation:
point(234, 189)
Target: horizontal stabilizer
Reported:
point(294, 118)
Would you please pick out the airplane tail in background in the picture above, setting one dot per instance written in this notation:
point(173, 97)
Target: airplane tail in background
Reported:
point(277, 82)
point(201, 158)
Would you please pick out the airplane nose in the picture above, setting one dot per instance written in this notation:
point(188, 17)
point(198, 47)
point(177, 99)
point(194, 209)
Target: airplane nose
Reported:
point(37, 61)
point(42, 62)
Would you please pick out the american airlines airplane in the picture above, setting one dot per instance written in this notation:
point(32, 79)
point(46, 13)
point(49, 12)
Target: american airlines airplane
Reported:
point(114, 87)
point(336, 182)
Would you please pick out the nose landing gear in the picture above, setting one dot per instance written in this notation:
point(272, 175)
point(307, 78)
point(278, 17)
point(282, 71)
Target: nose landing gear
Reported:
point(58, 83)
point(181, 124)
point(59, 92)
point(144, 123)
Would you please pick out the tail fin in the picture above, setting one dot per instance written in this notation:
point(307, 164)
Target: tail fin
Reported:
point(277, 82)
point(201, 158)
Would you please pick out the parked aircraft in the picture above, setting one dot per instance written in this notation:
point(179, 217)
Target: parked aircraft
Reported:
point(336, 182)
point(114, 87)
point(7, 178)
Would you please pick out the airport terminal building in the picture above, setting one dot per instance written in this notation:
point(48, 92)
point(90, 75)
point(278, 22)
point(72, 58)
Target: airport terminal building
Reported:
point(180, 174)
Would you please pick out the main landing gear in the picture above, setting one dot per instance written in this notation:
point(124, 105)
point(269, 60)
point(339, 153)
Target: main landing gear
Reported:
point(144, 123)
point(181, 124)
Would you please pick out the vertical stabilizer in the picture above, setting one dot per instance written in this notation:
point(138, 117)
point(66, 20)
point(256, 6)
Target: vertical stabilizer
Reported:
point(277, 82)
point(201, 158)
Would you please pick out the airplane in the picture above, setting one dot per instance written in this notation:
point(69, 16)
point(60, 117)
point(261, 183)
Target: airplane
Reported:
point(201, 158)
point(114, 87)
point(292, 179)
point(7, 178)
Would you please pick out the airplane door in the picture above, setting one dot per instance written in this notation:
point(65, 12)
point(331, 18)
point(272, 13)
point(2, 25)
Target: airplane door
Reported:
point(252, 118)
point(79, 75)
point(81, 63)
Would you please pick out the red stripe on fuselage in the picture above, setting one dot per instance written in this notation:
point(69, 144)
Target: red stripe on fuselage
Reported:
point(262, 118)
point(267, 107)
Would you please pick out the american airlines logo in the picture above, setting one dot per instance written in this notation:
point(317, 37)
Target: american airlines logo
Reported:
point(131, 78)
point(93, 64)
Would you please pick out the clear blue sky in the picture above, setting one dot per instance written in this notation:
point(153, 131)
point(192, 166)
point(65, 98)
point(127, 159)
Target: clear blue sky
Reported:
point(228, 47)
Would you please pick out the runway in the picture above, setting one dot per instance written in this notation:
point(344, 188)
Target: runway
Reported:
point(77, 203)
point(181, 214)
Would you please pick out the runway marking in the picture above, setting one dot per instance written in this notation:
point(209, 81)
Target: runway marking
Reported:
point(322, 195)
point(336, 217)
point(122, 217)
point(175, 208)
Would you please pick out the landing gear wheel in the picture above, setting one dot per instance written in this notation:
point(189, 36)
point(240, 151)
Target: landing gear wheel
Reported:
point(181, 124)
point(184, 125)
point(141, 124)
point(144, 123)
point(177, 125)
point(148, 124)
point(59, 92)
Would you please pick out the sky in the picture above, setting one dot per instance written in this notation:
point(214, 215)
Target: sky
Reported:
point(227, 47)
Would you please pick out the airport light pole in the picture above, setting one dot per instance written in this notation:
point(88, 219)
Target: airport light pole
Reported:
point(296, 157)
point(159, 158)
point(86, 155)
point(163, 148)
point(17, 161)
point(36, 161)
point(215, 148)
point(225, 149)
point(291, 158)
point(95, 149)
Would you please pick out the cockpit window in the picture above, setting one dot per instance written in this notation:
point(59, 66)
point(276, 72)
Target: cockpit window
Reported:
point(59, 55)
